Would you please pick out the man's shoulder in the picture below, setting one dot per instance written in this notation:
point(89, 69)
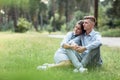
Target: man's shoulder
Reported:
point(96, 32)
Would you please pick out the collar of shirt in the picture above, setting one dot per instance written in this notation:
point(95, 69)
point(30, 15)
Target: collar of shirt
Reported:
point(91, 33)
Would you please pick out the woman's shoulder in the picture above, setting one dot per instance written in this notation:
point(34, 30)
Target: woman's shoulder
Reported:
point(70, 33)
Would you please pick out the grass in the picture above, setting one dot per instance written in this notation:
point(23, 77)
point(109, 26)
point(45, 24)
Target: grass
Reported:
point(20, 54)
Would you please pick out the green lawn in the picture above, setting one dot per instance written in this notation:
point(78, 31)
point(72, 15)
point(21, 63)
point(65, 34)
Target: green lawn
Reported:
point(20, 54)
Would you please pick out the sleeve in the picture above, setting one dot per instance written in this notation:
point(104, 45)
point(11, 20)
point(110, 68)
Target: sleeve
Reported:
point(96, 42)
point(76, 40)
point(66, 39)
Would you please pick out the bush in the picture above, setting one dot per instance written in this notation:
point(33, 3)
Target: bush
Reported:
point(112, 33)
point(103, 28)
point(78, 15)
point(63, 28)
point(23, 25)
point(7, 26)
point(49, 28)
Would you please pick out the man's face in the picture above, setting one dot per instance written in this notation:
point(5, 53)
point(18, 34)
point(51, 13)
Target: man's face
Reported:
point(77, 29)
point(88, 24)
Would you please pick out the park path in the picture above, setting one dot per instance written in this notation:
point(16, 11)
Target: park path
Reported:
point(109, 41)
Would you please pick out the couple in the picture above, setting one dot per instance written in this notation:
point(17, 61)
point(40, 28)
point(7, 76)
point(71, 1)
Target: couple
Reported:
point(80, 47)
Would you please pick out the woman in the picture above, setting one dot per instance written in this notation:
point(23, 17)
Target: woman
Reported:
point(60, 57)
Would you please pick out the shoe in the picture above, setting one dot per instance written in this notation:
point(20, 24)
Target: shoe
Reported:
point(76, 70)
point(83, 70)
point(42, 68)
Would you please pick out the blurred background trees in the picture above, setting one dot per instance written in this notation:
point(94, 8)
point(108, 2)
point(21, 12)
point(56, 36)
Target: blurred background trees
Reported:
point(57, 15)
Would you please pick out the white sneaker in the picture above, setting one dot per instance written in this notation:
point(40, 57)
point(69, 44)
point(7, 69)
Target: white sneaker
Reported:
point(76, 70)
point(82, 70)
point(41, 67)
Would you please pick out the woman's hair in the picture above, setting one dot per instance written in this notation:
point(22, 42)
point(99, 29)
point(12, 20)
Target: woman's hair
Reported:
point(80, 22)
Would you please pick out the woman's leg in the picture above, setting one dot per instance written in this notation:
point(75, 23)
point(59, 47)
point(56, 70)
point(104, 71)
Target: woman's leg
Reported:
point(61, 64)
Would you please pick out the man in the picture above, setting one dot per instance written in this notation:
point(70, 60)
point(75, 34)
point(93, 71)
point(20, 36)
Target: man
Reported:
point(89, 52)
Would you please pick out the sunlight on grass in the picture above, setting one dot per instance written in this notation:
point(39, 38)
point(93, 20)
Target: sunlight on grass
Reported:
point(20, 54)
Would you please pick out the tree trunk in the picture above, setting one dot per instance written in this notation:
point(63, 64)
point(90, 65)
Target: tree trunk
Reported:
point(66, 14)
point(35, 22)
point(96, 11)
point(41, 21)
point(14, 17)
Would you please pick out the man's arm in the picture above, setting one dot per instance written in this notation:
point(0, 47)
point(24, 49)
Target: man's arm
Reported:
point(96, 42)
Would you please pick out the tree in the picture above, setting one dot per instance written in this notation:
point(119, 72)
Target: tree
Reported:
point(96, 10)
point(116, 9)
point(42, 13)
point(11, 8)
point(113, 13)
point(34, 9)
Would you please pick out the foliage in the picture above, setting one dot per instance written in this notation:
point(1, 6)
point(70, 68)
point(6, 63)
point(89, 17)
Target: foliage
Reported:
point(49, 28)
point(111, 32)
point(113, 13)
point(33, 6)
point(20, 54)
point(56, 22)
point(103, 28)
point(23, 25)
point(103, 20)
point(114, 10)
point(78, 15)
point(63, 28)
point(63, 12)
point(7, 26)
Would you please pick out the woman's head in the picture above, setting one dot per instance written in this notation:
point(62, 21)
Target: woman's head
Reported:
point(78, 29)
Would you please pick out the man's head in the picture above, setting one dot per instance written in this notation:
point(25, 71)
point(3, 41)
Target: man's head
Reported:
point(89, 23)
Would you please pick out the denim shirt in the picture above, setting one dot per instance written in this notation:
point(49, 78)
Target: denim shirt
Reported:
point(91, 41)
point(69, 38)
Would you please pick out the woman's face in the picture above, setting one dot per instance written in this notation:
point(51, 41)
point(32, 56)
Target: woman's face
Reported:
point(77, 29)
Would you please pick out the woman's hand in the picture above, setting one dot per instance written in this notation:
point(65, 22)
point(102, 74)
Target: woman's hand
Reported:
point(66, 46)
point(80, 49)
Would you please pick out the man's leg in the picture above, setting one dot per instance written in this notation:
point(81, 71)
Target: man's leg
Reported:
point(92, 57)
point(72, 56)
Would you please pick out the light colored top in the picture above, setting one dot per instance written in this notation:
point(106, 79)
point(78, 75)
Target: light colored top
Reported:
point(91, 41)
point(68, 38)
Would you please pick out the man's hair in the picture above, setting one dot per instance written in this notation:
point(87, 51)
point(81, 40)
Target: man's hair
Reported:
point(92, 18)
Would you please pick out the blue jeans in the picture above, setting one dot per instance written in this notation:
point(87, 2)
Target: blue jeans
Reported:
point(79, 60)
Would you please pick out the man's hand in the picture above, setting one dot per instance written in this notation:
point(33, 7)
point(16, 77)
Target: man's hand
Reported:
point(80, 49)
point(74, 47)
